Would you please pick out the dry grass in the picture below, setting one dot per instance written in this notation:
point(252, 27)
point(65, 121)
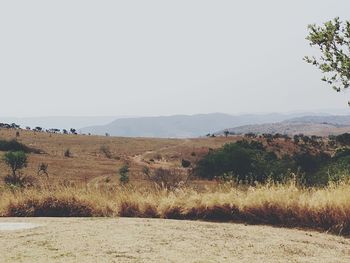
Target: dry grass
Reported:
point(88, 162)
point(84, 190)
point(326, 209)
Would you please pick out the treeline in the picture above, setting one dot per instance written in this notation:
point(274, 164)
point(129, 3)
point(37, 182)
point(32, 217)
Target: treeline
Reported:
point(38, 129)
point(250, 161)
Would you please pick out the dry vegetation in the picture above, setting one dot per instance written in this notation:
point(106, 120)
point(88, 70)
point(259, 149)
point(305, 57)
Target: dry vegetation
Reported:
point(287, 205)
point(78, 186)
point(88, 161)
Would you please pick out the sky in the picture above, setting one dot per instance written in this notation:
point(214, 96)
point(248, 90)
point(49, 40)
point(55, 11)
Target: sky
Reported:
point(143, 58)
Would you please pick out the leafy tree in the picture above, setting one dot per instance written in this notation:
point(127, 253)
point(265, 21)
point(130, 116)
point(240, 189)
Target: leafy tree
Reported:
point(333, 40)
point(16, 161)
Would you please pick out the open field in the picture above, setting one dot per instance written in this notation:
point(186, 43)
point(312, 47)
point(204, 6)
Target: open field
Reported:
point(89, 162)
point(157, 240)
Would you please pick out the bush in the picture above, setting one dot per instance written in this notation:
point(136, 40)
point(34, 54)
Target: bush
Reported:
point(43, 169)
point(185, 163)
point(67, 153)
point(166, 178)
point(124, 174)
point(247, 161)
point(343, 139)
point(313, 167)
point(52, 207)
point(106, 151)
point(250, 161)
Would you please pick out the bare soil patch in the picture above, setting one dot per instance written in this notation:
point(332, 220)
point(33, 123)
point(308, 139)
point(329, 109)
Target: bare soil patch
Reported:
point(157, 240)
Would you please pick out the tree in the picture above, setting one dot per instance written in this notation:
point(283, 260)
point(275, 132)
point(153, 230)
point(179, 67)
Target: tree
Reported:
point(226, 132)
point(16, 161)
point(333, 40)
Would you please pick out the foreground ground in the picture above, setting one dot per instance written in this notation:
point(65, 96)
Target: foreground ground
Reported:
point(157, 240)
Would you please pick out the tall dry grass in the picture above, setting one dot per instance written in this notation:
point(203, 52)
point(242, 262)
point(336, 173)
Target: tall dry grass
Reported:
point(288, 205)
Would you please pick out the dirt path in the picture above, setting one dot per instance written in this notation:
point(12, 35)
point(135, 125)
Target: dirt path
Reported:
point(155, 240)
point(140, 158)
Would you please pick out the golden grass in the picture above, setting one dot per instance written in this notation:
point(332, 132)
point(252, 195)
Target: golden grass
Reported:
point(88, 162)
point(287, 205)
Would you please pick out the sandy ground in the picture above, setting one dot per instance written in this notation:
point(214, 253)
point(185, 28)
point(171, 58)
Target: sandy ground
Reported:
point(155, 240)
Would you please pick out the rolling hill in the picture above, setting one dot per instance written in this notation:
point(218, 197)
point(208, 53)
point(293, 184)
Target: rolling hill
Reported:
point(181, 126)
point(308, 125)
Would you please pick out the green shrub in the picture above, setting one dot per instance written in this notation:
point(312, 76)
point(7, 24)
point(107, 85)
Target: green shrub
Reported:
point(250, 161)
point(247, 161)
point(124, 174)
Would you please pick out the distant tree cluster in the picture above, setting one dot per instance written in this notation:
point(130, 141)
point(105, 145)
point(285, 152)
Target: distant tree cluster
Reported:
point(38, 129)
point(9, 126)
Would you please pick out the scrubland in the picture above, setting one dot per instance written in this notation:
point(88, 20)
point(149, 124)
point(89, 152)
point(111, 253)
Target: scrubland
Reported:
point(86, 184)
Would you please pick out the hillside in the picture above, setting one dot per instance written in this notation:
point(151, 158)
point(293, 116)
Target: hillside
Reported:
point(290, 128)
point(99, 157)
point(181, 126)
point(336, 120)
point(308, 125)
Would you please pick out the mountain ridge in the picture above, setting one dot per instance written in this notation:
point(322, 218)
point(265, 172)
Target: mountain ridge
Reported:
point(182, 126)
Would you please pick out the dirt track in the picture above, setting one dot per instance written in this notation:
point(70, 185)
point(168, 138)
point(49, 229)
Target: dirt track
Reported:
point(155, 240)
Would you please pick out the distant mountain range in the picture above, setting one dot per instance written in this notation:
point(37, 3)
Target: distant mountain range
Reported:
point(337, 120)
point(180, 126)
point(308, 125)
point(186, 126)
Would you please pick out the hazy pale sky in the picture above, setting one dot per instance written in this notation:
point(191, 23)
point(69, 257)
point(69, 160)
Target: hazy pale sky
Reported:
point(161, 57)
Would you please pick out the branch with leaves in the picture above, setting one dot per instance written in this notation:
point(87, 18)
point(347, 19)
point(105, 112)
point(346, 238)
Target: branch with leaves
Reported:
point(333, 40)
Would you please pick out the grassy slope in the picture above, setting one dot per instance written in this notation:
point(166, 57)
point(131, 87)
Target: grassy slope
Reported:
point(89, 162)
